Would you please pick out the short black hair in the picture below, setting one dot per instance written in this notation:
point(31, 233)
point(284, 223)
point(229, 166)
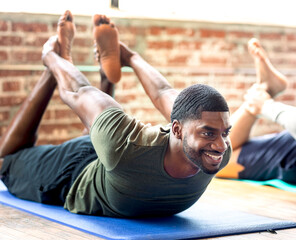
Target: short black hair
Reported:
point(194, 100)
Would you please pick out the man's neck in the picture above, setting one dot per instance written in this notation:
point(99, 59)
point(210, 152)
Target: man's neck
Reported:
point(176, 164)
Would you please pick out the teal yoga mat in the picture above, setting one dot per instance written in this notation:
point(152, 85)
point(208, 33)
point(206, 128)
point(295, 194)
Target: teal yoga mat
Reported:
point(275, 183)
point(199, 221)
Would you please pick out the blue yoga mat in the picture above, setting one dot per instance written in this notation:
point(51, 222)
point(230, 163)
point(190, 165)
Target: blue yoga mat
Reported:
point(199, 221)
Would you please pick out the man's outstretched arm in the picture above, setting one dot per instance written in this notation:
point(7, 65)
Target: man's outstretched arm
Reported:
point(155, 85)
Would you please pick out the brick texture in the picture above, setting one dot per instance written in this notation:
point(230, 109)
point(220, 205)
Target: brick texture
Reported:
point(184, 52)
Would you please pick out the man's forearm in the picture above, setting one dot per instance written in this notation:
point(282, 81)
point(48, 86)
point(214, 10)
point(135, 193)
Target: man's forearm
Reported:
point(155, 85)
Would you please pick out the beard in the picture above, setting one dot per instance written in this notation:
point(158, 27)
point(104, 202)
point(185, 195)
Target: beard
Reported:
point(196, 158)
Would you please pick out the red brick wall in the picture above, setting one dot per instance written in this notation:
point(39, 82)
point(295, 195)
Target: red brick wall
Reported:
point(185, 52)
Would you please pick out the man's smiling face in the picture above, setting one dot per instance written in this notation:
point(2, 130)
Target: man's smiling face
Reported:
point(205, 140)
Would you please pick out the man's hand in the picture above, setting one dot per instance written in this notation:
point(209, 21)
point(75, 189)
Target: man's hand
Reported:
point(255, 98)
point(51, 45)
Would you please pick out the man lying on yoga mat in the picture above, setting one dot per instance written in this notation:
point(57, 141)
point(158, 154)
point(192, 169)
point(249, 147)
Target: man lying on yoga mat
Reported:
point(124, 168)
point(271, 156)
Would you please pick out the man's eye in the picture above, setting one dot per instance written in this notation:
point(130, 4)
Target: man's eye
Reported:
point(208, 134)
point(225, 134)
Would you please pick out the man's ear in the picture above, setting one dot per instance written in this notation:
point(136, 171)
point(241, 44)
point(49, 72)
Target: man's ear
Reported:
point(177, 129)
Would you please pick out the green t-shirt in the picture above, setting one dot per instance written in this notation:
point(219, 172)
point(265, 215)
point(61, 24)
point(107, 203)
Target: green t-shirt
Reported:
point(128, 179)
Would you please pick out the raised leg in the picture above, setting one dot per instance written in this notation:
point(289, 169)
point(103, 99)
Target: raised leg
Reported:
point(275, 83)
point(22, 131)
point(270, 82)
point(74, 88)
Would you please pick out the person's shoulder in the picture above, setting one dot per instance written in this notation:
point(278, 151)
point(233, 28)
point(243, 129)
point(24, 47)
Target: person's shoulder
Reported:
point(149, 135)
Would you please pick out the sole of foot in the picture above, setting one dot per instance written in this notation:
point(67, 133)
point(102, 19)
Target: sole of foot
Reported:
point(107, 45)
point(66, 31)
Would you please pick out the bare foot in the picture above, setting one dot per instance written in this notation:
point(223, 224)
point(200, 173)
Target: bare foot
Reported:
point(125, 58)
point(107, 46)
point(274, 81)
point(66, 31)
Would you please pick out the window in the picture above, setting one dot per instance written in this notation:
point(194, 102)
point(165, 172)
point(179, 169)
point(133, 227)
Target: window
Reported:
point(114, 4)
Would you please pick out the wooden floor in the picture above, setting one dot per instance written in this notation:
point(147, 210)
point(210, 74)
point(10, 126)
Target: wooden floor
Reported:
point(261, 200)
